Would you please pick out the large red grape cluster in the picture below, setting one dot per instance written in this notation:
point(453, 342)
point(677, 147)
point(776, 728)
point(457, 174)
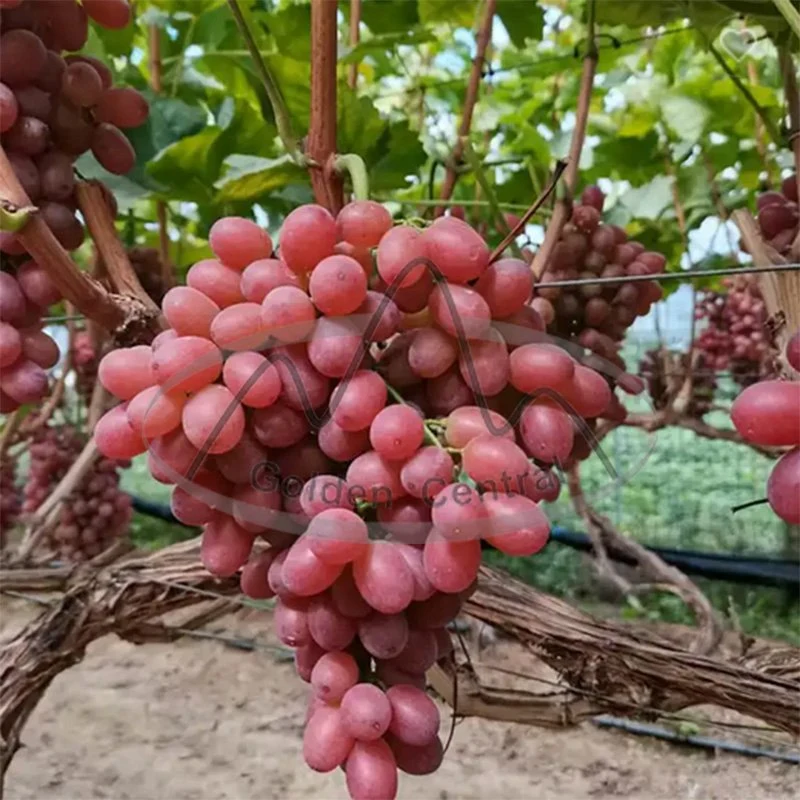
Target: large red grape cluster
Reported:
point(355, 402)
point(55, 107)
point(95, 514)
point(734, 337)
point(778, 216)
point(596, 315)
point(768, 414)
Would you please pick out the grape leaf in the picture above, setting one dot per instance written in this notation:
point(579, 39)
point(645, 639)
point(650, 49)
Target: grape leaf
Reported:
point(522, 19)
point(250, 177)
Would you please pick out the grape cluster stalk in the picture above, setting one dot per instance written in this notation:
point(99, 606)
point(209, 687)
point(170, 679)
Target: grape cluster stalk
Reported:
point(347, 419)
point(768, 414)
point(55, 105)
point(95, 514)
point(597, 316)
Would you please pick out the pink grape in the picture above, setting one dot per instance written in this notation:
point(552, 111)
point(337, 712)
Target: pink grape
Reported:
point(396, 250)
point(423, 589)
point(278, 425)
point(356, 401)
point(113, 14)
point(485, 367)
point(458, 512)
point(264, 275)
point(371, 771)
point(506, 286)
point(37, 285)
point(170, 457)
point(168, 335)
point(237, 242)
point(337, 536)
point(253, 581)
point(10, 344)
point(397, 432)
point(239, 327)
point(252, 370)
point(213, 420)
point(448, 392)
point(427, 472)
point(547, 432)
point(432, 352)
point(416, 760)
point(115, 437)
point(435, 612)
point(457, 250)
point(374, 479)
point(342, 445)
point(377, 306)
point(540, 366)
point(239, 464)
point(415, 717)
point(768, 413)
point(189, 312)
point(336, 347)
point(291, 623)
point(783, 487)
point(588, 393)
point(518, 527)
point(793, 351)
point(495, 464)
point(384, 635)
point(24, 381)
point(326, 743)
point(362, 223)
point(451, 566)
point(308, 235)
point(127, 371)
point(287, 313)
point(304, 574)
point(540, 485)
point(216, 281)
point(460, 311)
point(186, 364)
point(333, 675)
point(153, 412)
point(328, 628)
point(39, 348)
point(419, 654)
point(467, 422)
point(406, 520)
point(410, 298)
point(347, 598)
point(366, 712)
point(337, 285)
point(323, 492)
point(255, 507)
point(302, 387)
point(384, 578)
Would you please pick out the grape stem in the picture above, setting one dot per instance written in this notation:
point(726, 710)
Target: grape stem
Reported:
point(429, 434)
point(13, 218)
point(790, 13)
point(355, 167)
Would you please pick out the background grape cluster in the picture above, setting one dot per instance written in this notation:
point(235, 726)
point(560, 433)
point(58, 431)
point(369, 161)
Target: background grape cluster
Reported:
point(95, 514)
point(778, 216)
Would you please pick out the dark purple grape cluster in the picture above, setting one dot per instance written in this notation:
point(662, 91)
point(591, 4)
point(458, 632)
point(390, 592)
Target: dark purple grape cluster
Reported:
point(778, 216)
point(596, 316)
point(56, 104)
point(95, 514)
point(84, 363)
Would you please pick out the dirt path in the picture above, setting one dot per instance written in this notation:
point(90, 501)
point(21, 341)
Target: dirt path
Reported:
point(197, 720)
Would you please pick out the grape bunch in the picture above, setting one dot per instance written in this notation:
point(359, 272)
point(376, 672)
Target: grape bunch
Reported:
point(84, 363)
point(596, 316)
point(371, 402)
point(10, 500)
point(56, 104)
point(665, 372)
point(768, 414)
point(734, 336)
point(778, 216)
point(26, 351)
point(95, 514)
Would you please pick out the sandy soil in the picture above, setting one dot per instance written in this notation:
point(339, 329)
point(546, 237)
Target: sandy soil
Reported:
point(197, 719)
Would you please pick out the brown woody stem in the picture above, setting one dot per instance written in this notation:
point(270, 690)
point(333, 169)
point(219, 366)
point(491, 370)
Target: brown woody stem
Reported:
point(355, 35)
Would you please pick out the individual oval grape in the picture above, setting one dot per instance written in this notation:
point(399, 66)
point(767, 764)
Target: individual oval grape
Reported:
point(384, 636)
point(237, 242)
point(33, 102)
point(495, 464)
point(460, 311)
point(371, 771)
point(127, 371)
point(541, 484)
point(517, 526)
point(187, 363)
point(28, 136)
point(216, 281)
point(337, 285)
point(540, 366)
point(458, 512)
point(28, 174)
point(22, 57)
point(115, 437)
point(252, 379)
point(10, 344)
point(447, 393)
point(347, 598)
point(264, 275)
point(12, 300)
point(302, 386)
point(213, 420)
point(451, 566)
point(356, 401)
point(374, 479)
point(253, 582)
point(278, 425)
point(304, 574)
point(415, 717)
point(189, 312)
point(337, 536)
point(456, 249)
point(436, 612)
point(37, 285)
point(171, 457)
point(288, 314)
point(308, 235)
point(397, 432)
point(81, 85)
point(328, 628)
point(291, 622)
point(384, 578)
point(112, 149)
point(593, 196)
point(24, 381)
point(9, 108)
point(419, 654)
point(381, 317)
point(406, 520)
point(56, 176)
point(366, 712)
point(416, 760)
point(506, 286)
point(547, 432)
point(70, 129)
point(783, 487)
point(467, 422)
point(485, 365)
point(49, 79)
point(362, 223)
point(122, 107)
point(239, 327)
point(427, 472)
point(243, 462)
point(112, 14)
point(153, 412)
point(333, 675)
point(412, 298)
point(40, 348)
point(62, 222)
point(326, 743)
point(340, 444)
point(397, 249)
point(768, 413)
point(225, 546)
point(588, 394)
point(431, 352)
point(336, 347)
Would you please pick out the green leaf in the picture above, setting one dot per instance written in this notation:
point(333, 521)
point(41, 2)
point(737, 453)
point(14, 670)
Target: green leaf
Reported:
point(249, 177)
point(639, 14)
point(403, 156)
point(459, 15)
point(685, 116)
point(359, 125)
point(522, 19)
point(111, 42)
point(651, 200)
point(188, 167)
point(291, 29)
point(385, 41)
point(386, 16)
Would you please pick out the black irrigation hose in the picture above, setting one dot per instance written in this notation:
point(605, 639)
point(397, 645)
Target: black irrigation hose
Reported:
point(705, 742)
point(750, 570)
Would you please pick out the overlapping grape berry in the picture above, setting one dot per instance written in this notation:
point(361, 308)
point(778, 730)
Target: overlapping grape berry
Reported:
point(768, 414)
point(95, 514)
point(596, 315)
point(778, 216)
point(320, 413)
point(734, 336)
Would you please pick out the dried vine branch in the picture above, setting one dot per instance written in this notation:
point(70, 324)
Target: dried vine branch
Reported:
point(355, 36)
point(563, 206)
point(786, 62)
point(321, 141)
point(471, 97)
